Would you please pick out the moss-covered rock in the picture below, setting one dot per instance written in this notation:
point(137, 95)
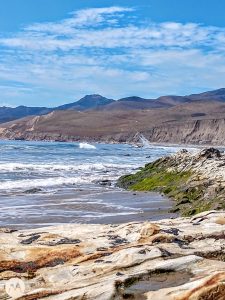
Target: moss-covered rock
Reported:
point(184, 177)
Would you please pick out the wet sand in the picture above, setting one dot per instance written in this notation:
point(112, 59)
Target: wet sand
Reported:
point(145, 205)
point(103, 205)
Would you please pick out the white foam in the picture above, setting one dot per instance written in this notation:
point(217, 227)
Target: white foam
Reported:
point(18, 167)
point(102, 215)
point(48, 182)
point(86, 146)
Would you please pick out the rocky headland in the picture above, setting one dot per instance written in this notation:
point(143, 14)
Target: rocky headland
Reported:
point(172, 259)
point(196, 181)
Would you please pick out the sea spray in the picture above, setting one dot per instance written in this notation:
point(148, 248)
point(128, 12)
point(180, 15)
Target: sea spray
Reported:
point(86, 146)
point(145, 142)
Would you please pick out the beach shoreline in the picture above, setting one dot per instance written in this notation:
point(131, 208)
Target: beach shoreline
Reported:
point(79, 206)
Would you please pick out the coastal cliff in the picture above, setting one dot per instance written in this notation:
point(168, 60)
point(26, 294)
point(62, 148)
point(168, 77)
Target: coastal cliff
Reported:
point(200, 123)
point(195, 181)
point(196, 132)
point(172, 259)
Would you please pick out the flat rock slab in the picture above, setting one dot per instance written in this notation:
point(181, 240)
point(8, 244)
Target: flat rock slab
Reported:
point(175, 259)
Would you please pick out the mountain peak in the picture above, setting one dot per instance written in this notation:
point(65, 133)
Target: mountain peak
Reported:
point(133, 99)
point(92, 97)
point(92, 101)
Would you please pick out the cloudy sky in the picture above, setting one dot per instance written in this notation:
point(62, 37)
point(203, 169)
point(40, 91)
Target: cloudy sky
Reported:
point(56, 51)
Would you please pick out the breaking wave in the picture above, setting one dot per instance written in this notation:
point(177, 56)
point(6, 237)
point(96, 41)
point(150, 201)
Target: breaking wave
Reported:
point(29, 165)
point(86, 146)
point(48, 182)
point(18, 167)
point(29, 176)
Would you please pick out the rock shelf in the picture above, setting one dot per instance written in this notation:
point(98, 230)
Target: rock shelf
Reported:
point(172, 259)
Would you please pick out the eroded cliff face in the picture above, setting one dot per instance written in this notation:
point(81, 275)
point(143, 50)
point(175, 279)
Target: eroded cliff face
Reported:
point(173, 259)
point(200, 132)
point(197, 132)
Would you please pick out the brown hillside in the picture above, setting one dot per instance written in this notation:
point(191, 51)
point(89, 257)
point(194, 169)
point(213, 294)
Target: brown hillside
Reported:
point(196, 122)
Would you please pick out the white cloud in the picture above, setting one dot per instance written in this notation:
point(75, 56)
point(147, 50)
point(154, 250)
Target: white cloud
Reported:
point(82, 18)
point(102, 50)
point(130, 36)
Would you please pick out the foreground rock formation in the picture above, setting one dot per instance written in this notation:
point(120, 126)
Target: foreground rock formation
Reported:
point(173, 259)
point(195, 180)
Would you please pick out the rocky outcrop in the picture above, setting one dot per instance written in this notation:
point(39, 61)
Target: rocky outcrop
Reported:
point(195, 180)
point(173, 259)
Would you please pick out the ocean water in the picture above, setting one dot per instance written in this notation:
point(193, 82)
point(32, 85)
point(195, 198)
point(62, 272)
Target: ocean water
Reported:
point(48, 183)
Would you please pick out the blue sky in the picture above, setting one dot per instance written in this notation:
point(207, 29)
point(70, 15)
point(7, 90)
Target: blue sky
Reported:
point(55, 51)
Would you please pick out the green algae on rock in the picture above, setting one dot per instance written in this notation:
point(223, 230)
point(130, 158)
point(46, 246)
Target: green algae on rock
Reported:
point(195, 181)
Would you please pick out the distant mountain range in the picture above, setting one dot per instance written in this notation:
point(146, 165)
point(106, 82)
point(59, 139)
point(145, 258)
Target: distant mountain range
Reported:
point(193, 119)
point(100, 103)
